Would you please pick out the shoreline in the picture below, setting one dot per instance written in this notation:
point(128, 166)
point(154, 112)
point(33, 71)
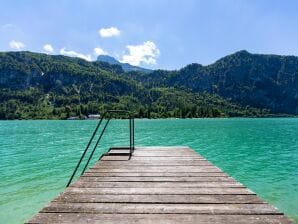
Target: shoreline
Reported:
point(161, 118)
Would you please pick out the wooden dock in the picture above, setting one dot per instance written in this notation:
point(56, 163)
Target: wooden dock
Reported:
point(157, 185)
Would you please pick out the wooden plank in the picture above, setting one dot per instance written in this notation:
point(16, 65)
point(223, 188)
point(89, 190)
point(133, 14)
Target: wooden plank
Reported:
point(150, 191)
point(156, 179)
point(183, 152)
point(166, 158)
point(152, 158)
point(169, 156)
point(186, 151)
point(115, 158)
point(140, 208)
point(95, 172)
point(77, 218)
point(171, 148)
point(163, 150)
point(84, 184)
point(165, 154)
point(136, 166)
point(155, 163)
point(110, 165)
point(180, 199)
point(119, 151)
point(157, 169)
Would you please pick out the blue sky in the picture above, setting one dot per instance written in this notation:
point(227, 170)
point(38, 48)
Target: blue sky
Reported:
point(164, 34)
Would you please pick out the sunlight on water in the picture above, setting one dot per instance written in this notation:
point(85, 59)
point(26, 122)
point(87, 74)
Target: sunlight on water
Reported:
point(37, 157)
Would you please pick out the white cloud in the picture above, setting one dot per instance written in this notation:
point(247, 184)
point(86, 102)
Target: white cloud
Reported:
point(145, 53)
point(48, 48)
point(17, 45)
point(75, 54)
point(109, 32)
point(99, 51)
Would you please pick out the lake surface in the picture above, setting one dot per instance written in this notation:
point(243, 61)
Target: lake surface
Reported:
point(38, 157)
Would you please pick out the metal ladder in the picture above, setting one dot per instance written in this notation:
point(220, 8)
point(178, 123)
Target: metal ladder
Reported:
point(108, 114)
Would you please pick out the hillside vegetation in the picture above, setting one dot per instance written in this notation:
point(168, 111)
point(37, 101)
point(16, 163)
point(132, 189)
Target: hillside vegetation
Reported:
point(40, 86)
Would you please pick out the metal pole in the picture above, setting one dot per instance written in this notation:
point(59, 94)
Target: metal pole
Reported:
point(130, 137)
point(101, 134)
point(133, 133)
point(86, 149)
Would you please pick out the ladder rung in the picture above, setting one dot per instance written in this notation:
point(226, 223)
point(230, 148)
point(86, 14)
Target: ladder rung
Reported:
point(117, 154)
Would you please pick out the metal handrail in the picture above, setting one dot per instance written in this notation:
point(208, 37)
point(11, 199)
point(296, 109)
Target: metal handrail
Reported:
point(131, 139)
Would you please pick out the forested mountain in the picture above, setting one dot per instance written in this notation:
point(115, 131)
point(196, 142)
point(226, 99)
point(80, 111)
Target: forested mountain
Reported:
point(262, 81)
point(40, 86)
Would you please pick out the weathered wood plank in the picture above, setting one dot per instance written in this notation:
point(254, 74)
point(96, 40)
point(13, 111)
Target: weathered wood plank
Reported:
point(87, 184)
point(166, 154)
point(86, 177)
point(157, 169)
point(183, 152)
point(166, 158)
point(115, 158)
point(137, 166)
point(96, 173)
point(77, 218)
point(157, 218)
point(176, 199)
point(152, 158)
point(153, 191)
point(171, 148)
point(154, 163)
point(139, 208)
point(161, 148)
point(154, 152)
point(119, 151)
point(146, 149)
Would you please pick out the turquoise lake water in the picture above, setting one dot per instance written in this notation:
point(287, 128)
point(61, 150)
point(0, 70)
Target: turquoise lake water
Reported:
point(38, 157)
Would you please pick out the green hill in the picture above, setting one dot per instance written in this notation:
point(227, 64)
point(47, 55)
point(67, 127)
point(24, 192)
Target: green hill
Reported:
point(261, 81)
point(40, 86)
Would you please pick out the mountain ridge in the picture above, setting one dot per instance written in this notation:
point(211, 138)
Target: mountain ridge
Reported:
point(125, 66)
point(258, 80)
point(41, 86)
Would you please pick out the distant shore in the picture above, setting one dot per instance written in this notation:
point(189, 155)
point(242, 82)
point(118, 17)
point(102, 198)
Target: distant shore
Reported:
point(157, 118)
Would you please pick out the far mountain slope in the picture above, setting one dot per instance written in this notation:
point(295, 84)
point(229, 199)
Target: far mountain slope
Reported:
point(125, 66)
point(40, 86)
point(262, 81)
